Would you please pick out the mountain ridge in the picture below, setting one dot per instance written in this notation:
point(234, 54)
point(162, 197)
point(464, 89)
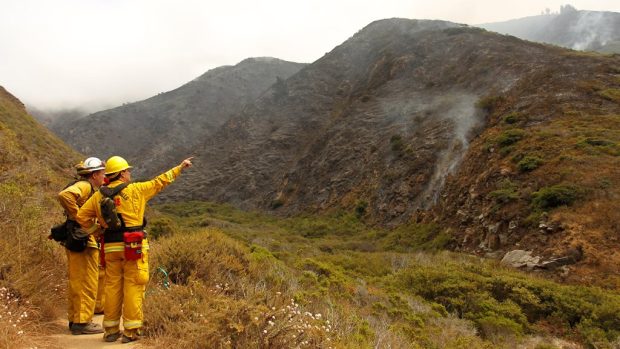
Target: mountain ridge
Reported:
point(173, 121)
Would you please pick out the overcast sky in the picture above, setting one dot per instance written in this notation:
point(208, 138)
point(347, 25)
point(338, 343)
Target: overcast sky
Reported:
point(101, 53)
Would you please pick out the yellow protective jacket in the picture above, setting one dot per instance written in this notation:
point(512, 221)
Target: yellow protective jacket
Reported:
point(72, 198)
point(131, 204)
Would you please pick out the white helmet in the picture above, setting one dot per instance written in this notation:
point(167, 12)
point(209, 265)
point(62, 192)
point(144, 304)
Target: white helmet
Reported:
point(90, 165)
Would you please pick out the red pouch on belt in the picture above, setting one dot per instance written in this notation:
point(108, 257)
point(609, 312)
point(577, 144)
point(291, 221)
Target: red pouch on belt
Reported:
point(133, 245)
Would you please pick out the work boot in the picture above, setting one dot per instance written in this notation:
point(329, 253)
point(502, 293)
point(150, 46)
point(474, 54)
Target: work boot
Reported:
point(111, 337)
point(89, 328)
point(127, 339)
point(130, 335)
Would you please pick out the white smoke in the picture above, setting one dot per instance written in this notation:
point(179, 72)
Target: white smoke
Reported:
point(459, 109)
point(591, 28)
point(456, 108)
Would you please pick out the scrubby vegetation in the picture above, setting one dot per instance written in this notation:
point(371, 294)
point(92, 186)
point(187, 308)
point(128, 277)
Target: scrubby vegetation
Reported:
point(259, 281)
point(529, 163)
point(554, 196)
point(510, 137)
point(32, 272)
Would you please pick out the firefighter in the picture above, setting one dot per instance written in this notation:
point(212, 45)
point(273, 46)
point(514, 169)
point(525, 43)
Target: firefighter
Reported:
point(83, 266)
point(126, 247)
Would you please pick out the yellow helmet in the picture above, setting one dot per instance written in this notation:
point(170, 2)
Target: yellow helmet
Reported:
point(115, 164)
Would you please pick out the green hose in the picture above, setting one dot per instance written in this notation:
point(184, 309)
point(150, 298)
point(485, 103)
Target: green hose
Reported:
point(166, 280)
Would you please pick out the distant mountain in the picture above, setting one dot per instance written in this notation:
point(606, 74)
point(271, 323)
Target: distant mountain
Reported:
point(50, 118)
point(578, 30)
point(157, 132)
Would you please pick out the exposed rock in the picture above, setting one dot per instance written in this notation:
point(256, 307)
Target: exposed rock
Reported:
point(503, 239)
point(493, 228)
point(465, 217)
point(512, 225)
point(493, 242)
point(573, 255)
point(519, 259)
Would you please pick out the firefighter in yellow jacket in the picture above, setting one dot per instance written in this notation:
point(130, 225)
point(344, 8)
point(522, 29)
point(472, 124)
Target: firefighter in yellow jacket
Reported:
point(126, 248)
point(83, 267)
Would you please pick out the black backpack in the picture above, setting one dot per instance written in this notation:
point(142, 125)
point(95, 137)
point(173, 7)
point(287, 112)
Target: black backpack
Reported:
point(112, 218)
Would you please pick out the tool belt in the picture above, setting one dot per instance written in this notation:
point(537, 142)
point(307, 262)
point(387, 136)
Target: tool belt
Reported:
point(133, 244)
point(119, 235)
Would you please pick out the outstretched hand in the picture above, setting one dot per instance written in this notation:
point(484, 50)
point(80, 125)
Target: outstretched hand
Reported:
point(187, 162)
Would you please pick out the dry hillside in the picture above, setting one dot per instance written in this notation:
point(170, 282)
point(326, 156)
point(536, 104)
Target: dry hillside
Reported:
point(34, 164)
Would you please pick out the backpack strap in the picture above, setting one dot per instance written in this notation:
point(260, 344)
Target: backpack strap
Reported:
point(114, 235)
point(111, 192)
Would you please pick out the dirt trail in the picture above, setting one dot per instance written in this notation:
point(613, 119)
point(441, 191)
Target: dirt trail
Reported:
point(94, 341)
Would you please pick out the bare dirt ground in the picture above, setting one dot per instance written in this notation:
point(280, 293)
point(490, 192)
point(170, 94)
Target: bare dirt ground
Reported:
point(94, 341)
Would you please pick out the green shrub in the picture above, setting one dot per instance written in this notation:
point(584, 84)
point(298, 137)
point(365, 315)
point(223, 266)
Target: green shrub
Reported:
point(397, 144)
point(511, 118)
point(498, 327)
point(417, 237)
point(502, 196)
point(360, 208)
point(510, 137)
point(276, 203)
point(503, 151)
point(529, 163)
point(159, 227)
point(507, 192)
point(599, 145)
point(507, 303)
point(598, 142)
point(554, 196)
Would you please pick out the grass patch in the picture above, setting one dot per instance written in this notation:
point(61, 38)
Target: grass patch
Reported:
point(612, 94)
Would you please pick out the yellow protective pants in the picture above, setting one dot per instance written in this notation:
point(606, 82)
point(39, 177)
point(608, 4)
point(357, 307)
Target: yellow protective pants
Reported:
point(82, 289)
point(100, 291)
point(125, 283)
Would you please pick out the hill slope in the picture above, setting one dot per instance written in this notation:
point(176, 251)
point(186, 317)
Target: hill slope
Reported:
point(578, 30)
point(34, 166)
point(158, 131)
point(381, 122)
